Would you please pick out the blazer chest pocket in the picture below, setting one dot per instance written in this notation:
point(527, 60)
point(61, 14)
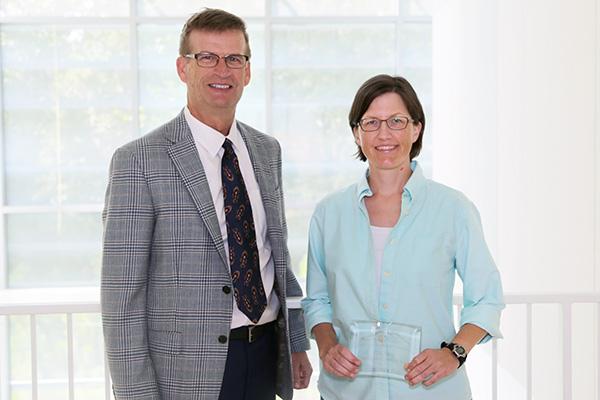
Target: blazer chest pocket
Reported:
point(165, 342)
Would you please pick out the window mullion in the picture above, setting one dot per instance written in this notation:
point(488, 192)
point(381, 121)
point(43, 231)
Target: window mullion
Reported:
point(134, 66)
point(4, 344)
point(268, 67)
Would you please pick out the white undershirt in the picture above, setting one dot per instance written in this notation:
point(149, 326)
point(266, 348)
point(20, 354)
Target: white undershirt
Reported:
point(209, 143)
point(380, 235)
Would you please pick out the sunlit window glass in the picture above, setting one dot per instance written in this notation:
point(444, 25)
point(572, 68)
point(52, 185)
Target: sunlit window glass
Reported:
point(81, 78)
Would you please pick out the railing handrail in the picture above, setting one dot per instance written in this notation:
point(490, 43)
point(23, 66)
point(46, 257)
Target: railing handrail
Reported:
point(74, 300)
point(50, 300)
point(87, 300)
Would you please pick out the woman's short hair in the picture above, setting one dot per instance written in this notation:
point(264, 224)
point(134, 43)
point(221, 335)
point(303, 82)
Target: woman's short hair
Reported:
point(211, 20)
point(375, 87)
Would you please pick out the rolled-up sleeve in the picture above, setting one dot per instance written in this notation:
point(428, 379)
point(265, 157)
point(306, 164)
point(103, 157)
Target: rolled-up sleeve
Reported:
point(482, 288)
point(316, 304)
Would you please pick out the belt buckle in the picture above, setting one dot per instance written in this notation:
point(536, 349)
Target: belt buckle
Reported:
point(251, 337)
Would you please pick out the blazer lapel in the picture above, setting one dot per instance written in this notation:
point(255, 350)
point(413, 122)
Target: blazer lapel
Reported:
point(185, 157)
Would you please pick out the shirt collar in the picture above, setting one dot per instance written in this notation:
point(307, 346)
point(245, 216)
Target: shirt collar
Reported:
point(411, 189)
point(209, 138)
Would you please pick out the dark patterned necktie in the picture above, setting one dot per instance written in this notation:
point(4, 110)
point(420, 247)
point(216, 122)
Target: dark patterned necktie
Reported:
point(243, 253)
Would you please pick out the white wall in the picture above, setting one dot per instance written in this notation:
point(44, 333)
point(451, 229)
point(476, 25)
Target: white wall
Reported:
point(516, 105)
point(515, 91)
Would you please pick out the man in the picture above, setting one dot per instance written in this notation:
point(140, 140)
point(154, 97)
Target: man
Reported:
point(195, 264)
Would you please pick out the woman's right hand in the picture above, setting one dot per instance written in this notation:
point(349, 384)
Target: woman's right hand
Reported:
point(338, 360)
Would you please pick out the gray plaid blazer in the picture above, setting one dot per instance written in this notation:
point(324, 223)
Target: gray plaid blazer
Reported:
point(164, 268)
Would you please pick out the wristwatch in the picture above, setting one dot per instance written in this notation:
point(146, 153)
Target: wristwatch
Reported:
point(457, 350)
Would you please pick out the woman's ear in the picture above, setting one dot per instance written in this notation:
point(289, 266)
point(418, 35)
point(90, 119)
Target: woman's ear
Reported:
point(416, 131)
point(356, 135)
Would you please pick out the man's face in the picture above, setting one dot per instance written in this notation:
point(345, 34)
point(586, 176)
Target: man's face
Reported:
point(216, 89)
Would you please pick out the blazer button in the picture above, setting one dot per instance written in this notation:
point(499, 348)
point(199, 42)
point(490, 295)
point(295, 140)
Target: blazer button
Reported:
point(226, 289)
point(222, 339)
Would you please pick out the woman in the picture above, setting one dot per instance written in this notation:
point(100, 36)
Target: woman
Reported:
point(386, 249)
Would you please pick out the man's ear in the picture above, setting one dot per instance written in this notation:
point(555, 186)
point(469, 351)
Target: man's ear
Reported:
point(248, 73)
point(181, 64)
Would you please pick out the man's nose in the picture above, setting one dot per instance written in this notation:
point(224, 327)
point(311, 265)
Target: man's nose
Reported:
point(221, 68)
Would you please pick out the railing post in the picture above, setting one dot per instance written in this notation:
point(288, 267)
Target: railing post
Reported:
point(33, 338)
point(529, 351)
point(70, 358)
point(567, 356)
point(4, 364)
point(494, 369)
point(107, 384)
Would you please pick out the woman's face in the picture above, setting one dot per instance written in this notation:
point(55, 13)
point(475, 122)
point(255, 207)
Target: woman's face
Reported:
point(387, 148)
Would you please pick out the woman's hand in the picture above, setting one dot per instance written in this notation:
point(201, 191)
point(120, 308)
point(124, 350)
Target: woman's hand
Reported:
point(338, 360)
point(430, 366)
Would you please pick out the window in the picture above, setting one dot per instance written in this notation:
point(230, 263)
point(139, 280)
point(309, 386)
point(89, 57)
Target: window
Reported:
point(79, 79)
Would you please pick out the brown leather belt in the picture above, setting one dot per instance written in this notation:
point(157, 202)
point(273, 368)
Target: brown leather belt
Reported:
point(250, 333)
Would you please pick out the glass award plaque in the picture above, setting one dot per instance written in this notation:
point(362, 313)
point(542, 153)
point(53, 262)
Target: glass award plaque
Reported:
point(384, 347)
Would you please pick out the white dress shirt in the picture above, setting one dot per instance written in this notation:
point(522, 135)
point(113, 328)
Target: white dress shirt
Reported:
point(209, 144)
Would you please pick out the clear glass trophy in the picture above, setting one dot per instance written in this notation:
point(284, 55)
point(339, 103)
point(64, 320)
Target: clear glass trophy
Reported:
point(384, 347)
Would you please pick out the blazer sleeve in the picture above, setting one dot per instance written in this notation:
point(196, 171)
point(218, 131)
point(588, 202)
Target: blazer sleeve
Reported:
point(298, 340)
point(128, 219)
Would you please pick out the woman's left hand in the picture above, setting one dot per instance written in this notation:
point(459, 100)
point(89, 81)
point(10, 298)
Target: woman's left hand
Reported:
point(430, 366)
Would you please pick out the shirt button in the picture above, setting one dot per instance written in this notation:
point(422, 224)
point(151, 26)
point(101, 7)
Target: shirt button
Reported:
point(387, 274)
point(226, 289)
point(222, 339)
point(385, 306)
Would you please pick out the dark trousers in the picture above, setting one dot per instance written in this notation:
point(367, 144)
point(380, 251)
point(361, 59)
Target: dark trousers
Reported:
point(250, 370)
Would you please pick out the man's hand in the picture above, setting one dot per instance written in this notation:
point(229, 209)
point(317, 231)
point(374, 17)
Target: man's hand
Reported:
point(301, 369)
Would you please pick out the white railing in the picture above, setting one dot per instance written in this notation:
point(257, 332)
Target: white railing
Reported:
point(566, 301)
point(69, 301)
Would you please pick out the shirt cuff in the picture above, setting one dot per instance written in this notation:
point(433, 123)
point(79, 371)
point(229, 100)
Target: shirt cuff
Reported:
point(315, 317)
point(485, 316)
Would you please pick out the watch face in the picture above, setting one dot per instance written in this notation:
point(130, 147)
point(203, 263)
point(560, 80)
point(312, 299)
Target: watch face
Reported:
point(459, 350)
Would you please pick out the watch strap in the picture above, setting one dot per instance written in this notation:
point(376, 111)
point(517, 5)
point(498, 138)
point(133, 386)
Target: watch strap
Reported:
point(457, 351)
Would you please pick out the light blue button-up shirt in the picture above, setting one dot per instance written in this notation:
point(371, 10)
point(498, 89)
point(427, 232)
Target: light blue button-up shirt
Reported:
point(438, 234)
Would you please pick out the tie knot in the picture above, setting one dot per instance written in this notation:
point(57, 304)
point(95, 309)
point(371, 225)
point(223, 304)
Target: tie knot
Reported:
point(228, 146)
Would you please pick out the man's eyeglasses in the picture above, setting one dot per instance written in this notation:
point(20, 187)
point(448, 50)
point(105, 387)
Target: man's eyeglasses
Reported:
point(207, 59)
point(397, 123)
